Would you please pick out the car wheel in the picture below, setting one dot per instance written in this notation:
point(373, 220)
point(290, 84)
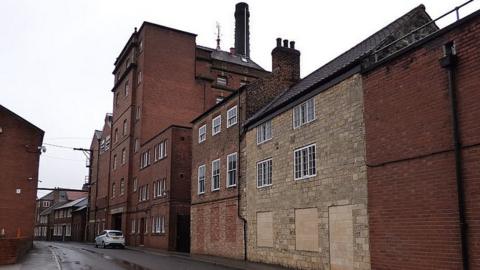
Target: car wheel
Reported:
point(122, 247)
point(103, 245)
point(96, 246)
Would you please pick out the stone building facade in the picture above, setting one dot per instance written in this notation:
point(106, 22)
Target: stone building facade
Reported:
point(417, 201)
point(306, 189)
point(320, 220)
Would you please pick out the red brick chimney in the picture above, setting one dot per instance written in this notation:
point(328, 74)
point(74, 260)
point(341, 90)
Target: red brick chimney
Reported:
point(286, 61)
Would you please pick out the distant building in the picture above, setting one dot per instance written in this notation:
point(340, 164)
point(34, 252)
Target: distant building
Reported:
point(63, 220)
point(46, 205)
point(21, 143)
point(140, 169)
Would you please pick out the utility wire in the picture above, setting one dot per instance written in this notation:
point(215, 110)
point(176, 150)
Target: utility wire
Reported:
point(68, 159)
point(59, 146)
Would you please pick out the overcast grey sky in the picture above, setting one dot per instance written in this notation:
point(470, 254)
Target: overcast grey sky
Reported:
point(58, 55)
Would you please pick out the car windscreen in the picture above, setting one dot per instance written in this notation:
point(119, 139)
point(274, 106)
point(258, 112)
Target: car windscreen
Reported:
point(115, 233)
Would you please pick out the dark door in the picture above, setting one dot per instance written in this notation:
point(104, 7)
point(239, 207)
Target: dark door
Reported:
point(117, 222)
point(142, 230)
point(183, 233)
point(50, 235)
point(64, 231)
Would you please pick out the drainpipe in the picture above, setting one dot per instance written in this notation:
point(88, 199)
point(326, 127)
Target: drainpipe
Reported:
point(238, 184)
point(449, 62)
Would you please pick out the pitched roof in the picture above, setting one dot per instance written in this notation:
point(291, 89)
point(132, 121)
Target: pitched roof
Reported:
point(415, 18)
point(21, 119)
point(77, 202)
point(51, 208)
point(73, 195)
point(231, 58)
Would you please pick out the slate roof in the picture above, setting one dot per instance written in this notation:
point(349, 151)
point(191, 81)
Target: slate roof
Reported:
point(73, 195)
point(51, 208)
point(345, 61)
point(77, 202)
point(231, 58)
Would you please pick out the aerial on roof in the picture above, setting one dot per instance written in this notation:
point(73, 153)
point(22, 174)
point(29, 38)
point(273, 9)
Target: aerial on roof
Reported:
point(352, 58)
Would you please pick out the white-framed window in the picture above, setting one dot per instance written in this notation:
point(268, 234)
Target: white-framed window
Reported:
point(264, 173)
point(127, 88)
point(304, 162)
point(216, 174)
point(114, 162)
point(159, 188)
point(137, 145)
point(201, 179)
point(243, 82)
point(46, 203)
point(232, 116)
point(216, 125)
point(232, 170)
point(135, 184)
point(138, 113)
point(143, 193)
point(202, 133)
point(264, 132)
point(162, 150)
point(158, 224)
point(218, 100)
point(124, 156)
point(113, 190)
point(304, 113)
point(145, 159)
point(68, 230)
point(69, 212)
point(122, 186)
point(107, 143)
point(134, 222)
point(222, 80)
point(125, 127)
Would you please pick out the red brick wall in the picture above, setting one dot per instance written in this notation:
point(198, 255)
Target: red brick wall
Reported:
point(12, 249)
point(413, 207)
point(19, 160)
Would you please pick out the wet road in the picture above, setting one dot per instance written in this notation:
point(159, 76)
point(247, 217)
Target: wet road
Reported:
point(76, 256)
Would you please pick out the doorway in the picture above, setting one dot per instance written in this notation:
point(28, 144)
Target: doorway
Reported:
point(142, 231)
point(183, 233)
point(116, 222)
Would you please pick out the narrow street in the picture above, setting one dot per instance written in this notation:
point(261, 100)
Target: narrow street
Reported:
point(77, 256)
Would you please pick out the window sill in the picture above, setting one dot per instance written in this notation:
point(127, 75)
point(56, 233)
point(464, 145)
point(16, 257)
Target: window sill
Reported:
point(260, 143)
point(232, 125)
point(305, 177)
point(231, 186)
point(216, 190)
point(265, 187)
point(305, 124)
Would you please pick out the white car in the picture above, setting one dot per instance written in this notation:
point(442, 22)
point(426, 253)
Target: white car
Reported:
point(110, 238)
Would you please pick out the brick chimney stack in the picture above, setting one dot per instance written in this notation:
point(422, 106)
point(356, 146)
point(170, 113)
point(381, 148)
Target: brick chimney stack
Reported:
point(242, 29)
point(286, 60)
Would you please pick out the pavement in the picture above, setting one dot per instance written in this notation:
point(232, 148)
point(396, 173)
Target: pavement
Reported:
point(84, 256)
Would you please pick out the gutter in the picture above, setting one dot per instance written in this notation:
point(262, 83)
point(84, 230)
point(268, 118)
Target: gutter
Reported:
point(449, 62)
point(245, 257)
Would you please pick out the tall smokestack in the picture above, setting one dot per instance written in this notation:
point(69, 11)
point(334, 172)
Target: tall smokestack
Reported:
point(242, 29)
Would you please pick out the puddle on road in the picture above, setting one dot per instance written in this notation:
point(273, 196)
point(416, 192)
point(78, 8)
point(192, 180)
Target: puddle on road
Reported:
point(124, 263)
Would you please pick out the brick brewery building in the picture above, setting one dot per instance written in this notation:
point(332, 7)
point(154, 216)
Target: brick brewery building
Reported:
point(140, 169)
point(217, 225)
point(423, 149)
point(20, 142)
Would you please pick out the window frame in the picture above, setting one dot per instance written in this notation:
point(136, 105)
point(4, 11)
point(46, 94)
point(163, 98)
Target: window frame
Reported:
point(216, 161)
point(262, 130)
point(219, 125)
point(300, 113)
point(229, 118)
point(199, 191)
point(229, 170)
point(221, 80)
point(264, 173)
point(204, 127)
point(308, 162)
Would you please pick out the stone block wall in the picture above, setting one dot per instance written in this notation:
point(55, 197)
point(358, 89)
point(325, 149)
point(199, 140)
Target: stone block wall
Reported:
point(340, 183)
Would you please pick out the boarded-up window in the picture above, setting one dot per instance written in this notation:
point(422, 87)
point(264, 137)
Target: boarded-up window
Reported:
point(306, 229)
point(341, 237)
point(265, 229)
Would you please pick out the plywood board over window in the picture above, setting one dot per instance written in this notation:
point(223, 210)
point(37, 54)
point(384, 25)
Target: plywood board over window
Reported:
point(265, 229)
point(341, 237)
point(306, 229)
